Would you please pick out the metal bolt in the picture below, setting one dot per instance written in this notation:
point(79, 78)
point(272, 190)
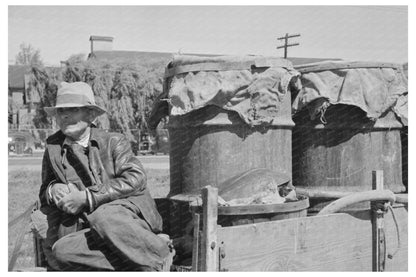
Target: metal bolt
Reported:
point(213, 245)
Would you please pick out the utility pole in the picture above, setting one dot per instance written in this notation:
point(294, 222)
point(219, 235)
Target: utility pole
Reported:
point(286, 45)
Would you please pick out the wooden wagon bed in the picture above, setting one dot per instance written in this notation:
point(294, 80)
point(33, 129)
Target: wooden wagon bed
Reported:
point(334, 242)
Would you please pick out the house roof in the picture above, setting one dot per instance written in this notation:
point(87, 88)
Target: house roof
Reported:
point(162, 56)
point(129, 56)
point(102, 38)
point(16, 76)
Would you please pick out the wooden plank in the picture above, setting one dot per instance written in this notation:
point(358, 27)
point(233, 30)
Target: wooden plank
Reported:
point(336, 242)
point(379, 253)
point(209, 255)
point(32, 269)
point(378, 179)
point(39, 255)
point(196, 240)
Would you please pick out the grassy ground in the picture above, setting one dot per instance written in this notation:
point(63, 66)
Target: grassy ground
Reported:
point(23, 191)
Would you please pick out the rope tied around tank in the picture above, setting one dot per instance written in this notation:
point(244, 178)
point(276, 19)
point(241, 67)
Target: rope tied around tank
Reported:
point(383, 208)
point(322, 112)
point(390, 256)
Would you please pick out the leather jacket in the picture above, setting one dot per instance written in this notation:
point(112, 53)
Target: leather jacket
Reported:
point(117, 173)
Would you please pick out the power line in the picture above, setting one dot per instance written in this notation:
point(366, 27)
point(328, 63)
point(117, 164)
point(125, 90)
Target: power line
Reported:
point(286, 45)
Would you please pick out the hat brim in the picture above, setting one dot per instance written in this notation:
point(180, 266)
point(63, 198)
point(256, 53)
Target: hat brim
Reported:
point(51, 111)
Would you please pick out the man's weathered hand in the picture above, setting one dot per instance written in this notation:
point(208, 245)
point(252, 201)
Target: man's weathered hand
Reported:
point(74, 202)
point(58, 191)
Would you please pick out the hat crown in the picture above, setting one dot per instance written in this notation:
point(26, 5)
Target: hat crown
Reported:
point(77, 93)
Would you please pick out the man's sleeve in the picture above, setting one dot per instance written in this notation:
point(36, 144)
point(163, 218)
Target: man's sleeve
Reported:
point(130, 176)
point(48, 179)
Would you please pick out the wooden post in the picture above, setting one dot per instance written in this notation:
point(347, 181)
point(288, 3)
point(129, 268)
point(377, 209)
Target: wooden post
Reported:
point(379, 251)
point(286, 45)
point(209, 253)
point(37, 248)
point(196, 243)
point(286, 38)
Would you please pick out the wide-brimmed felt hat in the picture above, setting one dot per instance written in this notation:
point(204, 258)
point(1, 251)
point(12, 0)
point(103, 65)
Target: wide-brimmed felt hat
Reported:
point(71, 95)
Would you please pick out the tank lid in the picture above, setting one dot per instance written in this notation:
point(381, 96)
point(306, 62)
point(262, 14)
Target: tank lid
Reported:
point(331, 65)
point(185, 63)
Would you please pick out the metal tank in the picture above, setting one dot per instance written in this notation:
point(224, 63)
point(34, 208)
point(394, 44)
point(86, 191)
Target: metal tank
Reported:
point(223, 137)
point(346, 127)
point(227, 115)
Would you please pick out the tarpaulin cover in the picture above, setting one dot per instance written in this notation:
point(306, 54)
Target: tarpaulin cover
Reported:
point(253, 86)
point(257, 186)
point(401, 109)
point(375, 90)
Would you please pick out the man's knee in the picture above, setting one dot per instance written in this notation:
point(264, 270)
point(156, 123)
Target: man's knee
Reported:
point(39, 223)
point(103, 217)
point(61, 251)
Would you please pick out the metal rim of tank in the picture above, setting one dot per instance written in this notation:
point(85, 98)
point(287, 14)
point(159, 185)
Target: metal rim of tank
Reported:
point(301, 204)
point(333, 65)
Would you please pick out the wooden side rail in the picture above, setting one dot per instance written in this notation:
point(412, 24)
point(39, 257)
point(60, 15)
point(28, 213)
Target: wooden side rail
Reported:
point(354, 241)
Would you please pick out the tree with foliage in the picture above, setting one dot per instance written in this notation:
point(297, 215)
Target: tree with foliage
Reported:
point(76, 59)
point(28, 55)
point(125, 90)
point(45, 84)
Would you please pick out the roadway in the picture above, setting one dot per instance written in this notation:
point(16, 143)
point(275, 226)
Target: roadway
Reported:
point(34, 162)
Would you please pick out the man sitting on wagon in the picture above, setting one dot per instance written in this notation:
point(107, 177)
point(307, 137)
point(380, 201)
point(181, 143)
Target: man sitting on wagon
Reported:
point(96, 212)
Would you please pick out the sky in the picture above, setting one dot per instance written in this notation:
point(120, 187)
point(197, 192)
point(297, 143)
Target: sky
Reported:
point(376, 33)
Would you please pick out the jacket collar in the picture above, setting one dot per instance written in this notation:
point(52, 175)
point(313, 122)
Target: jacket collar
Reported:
point(95, 137)
point(58, 138)
point(54, 147)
